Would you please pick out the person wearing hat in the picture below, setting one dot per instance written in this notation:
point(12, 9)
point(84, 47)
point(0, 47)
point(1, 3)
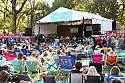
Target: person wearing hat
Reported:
point(111, 53)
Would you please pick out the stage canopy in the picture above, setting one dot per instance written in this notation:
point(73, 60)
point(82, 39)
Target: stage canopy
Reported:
point(68, 15)
point(64, 14)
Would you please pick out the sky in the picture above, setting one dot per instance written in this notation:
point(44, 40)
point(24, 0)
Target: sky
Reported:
point(49, 2)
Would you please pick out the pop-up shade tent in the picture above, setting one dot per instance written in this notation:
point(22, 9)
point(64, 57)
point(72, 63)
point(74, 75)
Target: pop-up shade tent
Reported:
point(64, 14)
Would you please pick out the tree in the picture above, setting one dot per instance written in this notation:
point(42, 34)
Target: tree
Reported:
point(5, 15)
point(122, 11)
point(111, 9)
point(63, 3)
point(15, 13)
point(35, 10)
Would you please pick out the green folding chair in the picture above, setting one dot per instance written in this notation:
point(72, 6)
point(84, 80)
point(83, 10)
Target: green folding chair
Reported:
point(32, 68)
point(18, 66)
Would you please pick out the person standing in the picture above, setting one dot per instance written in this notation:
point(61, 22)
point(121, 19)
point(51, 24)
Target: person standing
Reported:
point(109, 42)
point(120, 42)
point(100, 42)
point(112, 42)
point(104, 41)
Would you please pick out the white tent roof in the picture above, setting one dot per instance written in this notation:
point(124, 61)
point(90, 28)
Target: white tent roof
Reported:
point(64, 14)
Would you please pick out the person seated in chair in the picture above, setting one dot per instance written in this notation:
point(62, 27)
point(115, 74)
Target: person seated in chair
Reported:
point(115, 72)
point(33, 57)
point(123, 59)
point(117, 81)
point(112, 53)
point(2, 60)
point(92, 71)
point(4, 76)
point(78, 68)
point(21, 57)
point(111, 58)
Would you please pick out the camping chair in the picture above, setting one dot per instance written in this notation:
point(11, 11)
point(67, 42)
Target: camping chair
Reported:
point(73, 59)
point(96, 51)
point(121, 50)
point(24, 51)
point(73, 51)
point(85, 62)
point(16, 53)
point(4, 68)
point(76, 78)
point(10, 51)
point(121, 54)
point(81, 55)
point(48, 79)
point(57, 62)
point(111, 60)
point(18, 66)
point(24, 77)
point(105, 49)
point(32, 68)
point(113, 78)
point(93, 79)
point(9, 56)
point(65, 63)
point(1, 52)
point(96, 58)
point(51, 66)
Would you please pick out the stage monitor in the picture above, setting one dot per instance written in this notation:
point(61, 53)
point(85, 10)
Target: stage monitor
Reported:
point(74, 30)
point(88, 28)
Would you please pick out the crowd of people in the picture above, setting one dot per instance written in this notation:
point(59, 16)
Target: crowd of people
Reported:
point(50, 52)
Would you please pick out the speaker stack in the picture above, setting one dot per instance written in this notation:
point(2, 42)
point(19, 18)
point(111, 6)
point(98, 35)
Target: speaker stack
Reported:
point(114, 25)
point(28, 32)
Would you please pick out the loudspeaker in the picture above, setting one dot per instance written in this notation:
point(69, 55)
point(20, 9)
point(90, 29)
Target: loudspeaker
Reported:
point(96, 28)
point(114, 25)
point(28, 32)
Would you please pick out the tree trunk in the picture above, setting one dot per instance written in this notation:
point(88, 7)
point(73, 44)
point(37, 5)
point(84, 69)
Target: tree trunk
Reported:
point(14, 15)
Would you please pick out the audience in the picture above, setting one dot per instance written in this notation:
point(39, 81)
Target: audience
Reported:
point(50, 53)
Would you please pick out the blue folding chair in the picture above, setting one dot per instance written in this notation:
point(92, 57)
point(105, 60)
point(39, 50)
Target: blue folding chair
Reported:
point(48, 79)
point(66, 63)
point(121, 50)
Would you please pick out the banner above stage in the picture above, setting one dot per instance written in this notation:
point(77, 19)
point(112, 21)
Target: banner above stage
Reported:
point(61, 16)
point(64, 14)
